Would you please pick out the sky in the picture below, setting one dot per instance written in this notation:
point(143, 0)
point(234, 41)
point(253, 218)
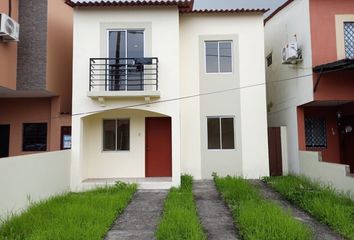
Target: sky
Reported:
point(225, 4)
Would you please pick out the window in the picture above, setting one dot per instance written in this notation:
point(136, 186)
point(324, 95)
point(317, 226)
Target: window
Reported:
point(123, 74)
point(34, 137)
point(221, 133)
point(349, 39)
point(65, 138)
point(218, 57)
point(315, 131)
point(269, 60)
point(116, 135)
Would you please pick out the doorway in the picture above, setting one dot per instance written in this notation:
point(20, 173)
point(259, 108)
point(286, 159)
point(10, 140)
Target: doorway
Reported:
point(4, 140)
point(347, 141)
point(275, 153)
point(158, 147)
point(125, 47)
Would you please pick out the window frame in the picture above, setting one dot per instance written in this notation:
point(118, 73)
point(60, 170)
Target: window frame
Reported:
point(344, 36)
point(325, 132)
point(102, 130)
point(220, 133)
point(340, 19)
point(23, 136)
point(232, 57)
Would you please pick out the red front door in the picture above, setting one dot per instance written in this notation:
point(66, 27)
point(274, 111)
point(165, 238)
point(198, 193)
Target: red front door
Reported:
point(158, 147)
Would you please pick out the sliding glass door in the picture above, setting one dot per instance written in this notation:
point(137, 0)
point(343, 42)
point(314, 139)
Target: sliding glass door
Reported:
point(124, 47)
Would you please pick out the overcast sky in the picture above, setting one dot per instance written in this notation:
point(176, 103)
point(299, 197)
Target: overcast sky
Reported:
point(225, 4)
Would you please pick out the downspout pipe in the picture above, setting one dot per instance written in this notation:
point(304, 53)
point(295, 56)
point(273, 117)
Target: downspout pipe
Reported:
point(10, 7)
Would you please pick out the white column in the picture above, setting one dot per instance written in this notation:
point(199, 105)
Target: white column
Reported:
point(176, 150)
point(76, 153)
point(255, 161)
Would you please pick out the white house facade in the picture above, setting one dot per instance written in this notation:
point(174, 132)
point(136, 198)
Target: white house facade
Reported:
point(161, 89)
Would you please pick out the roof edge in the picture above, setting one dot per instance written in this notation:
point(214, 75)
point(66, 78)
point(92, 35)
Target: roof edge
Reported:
point(281, 7)
point(187, 4)
point(235, 10)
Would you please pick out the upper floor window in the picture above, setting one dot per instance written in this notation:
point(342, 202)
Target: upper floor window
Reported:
point(218, 57)
point(349, 39)
point(34, 137)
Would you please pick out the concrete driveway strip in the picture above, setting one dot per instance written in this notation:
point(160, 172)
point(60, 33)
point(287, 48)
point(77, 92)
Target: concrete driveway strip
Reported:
point(139, 220)
point(320, 231)
point(214, 215)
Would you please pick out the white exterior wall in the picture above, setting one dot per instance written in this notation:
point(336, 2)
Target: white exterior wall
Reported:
point(88, 42)
point(336, 175)
point(246, 105)
point(32, 178)
point(289, 86)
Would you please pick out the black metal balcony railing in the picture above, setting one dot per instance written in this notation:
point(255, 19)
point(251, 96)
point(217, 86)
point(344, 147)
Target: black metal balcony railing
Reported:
point(123, 74)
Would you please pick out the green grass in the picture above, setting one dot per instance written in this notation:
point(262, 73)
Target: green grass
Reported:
point(86, 215)
point(255, 217)
point(323, 202)
point(180, 220)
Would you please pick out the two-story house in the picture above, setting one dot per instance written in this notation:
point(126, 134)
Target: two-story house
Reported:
point(310, 88)
point(161, 88)
point(35, 76)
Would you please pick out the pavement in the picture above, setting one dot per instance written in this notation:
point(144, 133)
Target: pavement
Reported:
point(214, 214)
point(141, 217)
point(321, 232)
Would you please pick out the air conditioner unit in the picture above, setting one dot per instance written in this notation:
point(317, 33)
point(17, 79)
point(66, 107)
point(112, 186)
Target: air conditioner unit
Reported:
point(291, 53)
point(9, 28)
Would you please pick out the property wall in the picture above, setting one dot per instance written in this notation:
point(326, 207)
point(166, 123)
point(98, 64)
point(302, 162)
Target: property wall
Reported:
point(31, 178)
point(289, 86)
point(247, 105)
point(329, 173)
point(89, 39)
point(8, 51)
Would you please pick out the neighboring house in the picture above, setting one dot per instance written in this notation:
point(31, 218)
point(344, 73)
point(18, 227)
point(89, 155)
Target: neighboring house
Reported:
point(313, 95)
point(161, 89)
point(35, 79)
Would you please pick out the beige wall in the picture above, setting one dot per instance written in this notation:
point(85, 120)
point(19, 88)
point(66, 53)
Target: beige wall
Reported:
point(247, 105)
point(32, 178)
point(59, 52)
point(8, 51)
point(115, 164)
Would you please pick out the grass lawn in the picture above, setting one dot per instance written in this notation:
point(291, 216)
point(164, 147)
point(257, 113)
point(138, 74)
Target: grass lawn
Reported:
point(256, 217)
point(324, 203)
point(86, 215)
point(180, 220)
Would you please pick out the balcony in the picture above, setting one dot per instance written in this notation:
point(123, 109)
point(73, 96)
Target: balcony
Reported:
point(123, 78)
